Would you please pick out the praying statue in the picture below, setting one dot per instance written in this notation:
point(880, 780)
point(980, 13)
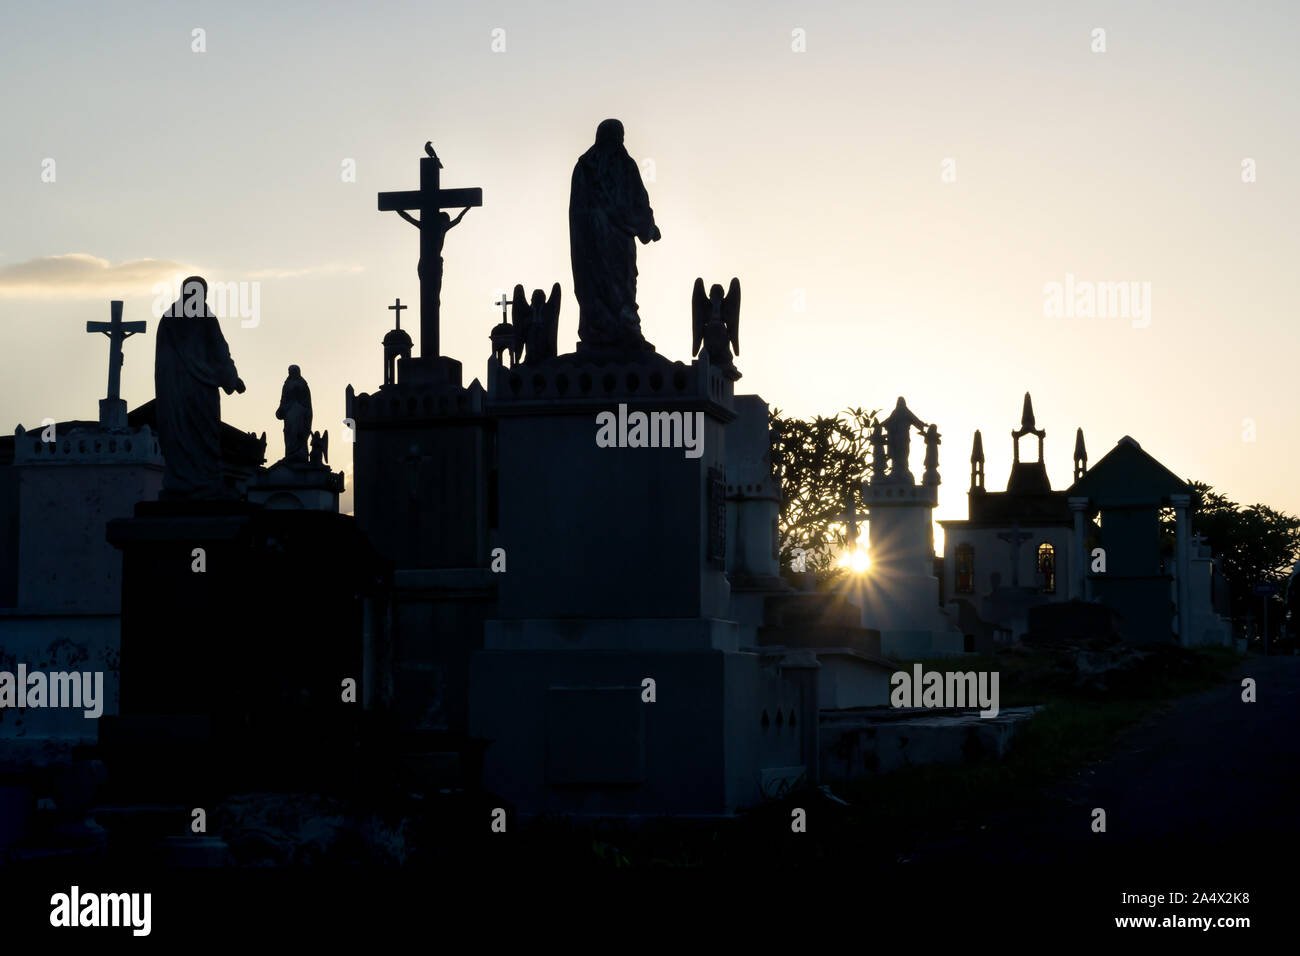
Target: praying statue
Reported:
point(295, 412)
point(191, 362)
point(609, 210)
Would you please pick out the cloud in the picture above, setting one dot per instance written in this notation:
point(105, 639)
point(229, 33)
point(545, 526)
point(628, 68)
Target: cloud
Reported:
point(80, 276)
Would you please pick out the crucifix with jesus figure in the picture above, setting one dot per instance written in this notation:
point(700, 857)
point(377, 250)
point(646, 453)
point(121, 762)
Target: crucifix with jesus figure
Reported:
point(1015, 538)
point(112, 410)
point(430, 200)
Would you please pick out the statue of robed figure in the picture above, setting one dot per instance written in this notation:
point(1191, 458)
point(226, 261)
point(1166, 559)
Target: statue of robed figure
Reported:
point(191, 362)
point(898, 429)
point(609, 210)
point(295, 412)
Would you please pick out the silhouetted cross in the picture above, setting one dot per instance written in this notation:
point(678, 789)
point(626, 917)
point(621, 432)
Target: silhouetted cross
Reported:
point(503, 303)
point(1016, 538)
point(398, 307)
point(430, 200)
point(117, 332)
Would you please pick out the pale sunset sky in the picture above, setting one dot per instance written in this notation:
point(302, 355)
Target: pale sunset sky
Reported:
point(816, 177)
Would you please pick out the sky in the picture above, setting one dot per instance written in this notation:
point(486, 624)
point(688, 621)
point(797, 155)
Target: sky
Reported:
point(896, 186)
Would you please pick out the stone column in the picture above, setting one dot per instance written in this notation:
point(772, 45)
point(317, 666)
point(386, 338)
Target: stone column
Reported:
point(1079, 555)
point(1182, 545)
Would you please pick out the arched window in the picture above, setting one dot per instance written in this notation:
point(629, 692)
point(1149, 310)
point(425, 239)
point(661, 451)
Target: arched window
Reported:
point(965, 569)
point(1047, 567)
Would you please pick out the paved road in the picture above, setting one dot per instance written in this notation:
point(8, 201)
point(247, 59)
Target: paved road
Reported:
point(1208, 781)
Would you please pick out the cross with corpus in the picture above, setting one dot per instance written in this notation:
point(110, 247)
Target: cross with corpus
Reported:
point(429, 200)
point(398, 307)
point(117, 332)
point(1015, 537)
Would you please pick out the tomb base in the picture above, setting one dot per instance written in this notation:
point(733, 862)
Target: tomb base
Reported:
point(573, 732)
point(239, 627)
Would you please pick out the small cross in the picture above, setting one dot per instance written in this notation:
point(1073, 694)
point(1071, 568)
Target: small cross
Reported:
point(398, 307)
point(503, 303)
point(117, 332)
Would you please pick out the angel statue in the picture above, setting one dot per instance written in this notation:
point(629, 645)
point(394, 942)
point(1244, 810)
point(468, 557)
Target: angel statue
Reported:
point(537, 324)
point(715, 321)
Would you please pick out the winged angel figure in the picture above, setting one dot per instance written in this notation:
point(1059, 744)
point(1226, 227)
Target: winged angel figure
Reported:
point(537, 322)
point(715, 321)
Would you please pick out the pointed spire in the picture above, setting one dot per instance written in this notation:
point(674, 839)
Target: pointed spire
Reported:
point(1027, 416)
point(1027, 427)
point(1080, 455)
point(977, 463)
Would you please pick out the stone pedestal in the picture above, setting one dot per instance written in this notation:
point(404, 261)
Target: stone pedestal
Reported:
point(615, 586)
point(615, 532)
point(423, 484)
point(570, 731)
point(239, 626)
point(420, 466)
point(297, 486)
point(899, 594)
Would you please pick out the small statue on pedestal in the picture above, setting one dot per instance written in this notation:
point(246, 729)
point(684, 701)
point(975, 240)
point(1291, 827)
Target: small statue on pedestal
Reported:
point(716, 323)
point(320, 445)
point(931, 476)
point(877, 453)
point(295, 412)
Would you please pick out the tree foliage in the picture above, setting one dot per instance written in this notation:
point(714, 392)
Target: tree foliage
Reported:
point(1254, 545)
point(820, 463)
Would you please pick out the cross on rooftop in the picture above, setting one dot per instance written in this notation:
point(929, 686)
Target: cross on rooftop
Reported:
point(112, 410)
point(398, 307)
